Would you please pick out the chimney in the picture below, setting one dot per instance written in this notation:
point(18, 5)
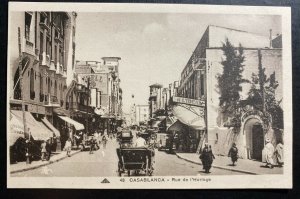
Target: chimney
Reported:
point(270, 38)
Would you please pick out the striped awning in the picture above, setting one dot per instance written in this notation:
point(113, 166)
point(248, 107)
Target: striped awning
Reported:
point(16, 130)
point(189, 115)
point(36, 129)
point(51, 127)
point(77, 125)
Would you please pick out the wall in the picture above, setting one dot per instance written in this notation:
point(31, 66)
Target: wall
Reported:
point(217, 35)
point(271, 60)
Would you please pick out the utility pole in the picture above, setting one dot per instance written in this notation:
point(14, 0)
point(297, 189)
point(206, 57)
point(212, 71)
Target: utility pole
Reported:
point(21, 82)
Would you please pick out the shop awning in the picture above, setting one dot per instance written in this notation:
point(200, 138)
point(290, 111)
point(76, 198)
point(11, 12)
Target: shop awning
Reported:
point(77, 125)
point(16, 130)
point(155, 124)
point(37, 130)
point(189, 115)
point(51, 127)
point(177, 126)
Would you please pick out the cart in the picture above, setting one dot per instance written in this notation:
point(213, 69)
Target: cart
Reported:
point(135, 159)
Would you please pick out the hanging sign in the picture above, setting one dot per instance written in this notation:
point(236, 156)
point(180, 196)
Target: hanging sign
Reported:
point(189, 101)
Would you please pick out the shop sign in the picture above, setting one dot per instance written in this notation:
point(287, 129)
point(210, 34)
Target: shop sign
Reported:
point(189, 101)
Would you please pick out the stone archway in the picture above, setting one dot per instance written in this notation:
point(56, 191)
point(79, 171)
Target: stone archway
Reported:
point(254, 137)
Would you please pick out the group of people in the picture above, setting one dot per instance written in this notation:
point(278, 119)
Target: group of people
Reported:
point(207, 157)
point(96, 140)
point(273, 155)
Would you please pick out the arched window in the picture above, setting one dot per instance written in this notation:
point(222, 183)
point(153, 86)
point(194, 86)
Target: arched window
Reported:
point(32, 94)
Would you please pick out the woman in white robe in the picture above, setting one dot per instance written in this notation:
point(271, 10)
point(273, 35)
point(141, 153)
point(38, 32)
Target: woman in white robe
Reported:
point(269, 153)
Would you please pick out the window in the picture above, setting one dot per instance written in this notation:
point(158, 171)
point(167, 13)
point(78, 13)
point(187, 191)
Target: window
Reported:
point(41, 88)
point(201, 84)
point(48, 46)
point(55, 88)
point(28, 18)
point(49, 85)
point(55, 55)
point(41, 42)
point(31, 84)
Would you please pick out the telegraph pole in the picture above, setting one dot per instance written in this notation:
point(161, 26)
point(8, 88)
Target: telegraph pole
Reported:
point(21, 82)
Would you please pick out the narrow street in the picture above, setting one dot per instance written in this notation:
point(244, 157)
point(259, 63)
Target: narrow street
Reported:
point(104, 163)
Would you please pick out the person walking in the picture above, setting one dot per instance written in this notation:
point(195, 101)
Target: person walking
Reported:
point(207, 157)
point(68, 146)
point(93, 144)
point(43, 150)
point(269, 153)
point(104, 141)
point(233, 153)
point(279, 153)
point(48, 148)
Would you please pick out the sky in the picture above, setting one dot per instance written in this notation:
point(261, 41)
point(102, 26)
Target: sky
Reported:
point(154, 47)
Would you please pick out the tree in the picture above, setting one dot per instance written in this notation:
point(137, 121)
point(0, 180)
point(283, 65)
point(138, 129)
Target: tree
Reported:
point(230, 81)
point(262, 96)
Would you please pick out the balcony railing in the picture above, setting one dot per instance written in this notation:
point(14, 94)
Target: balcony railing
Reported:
point(79, 107)
point(52, 65)
point(28, 47)
point(45, 59)
point(44, 26)
point(51, 100)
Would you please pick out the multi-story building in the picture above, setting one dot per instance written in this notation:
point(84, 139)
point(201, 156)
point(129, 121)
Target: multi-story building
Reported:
point(103, 82)
point(154, 99)
point(199, 82)
point(141, 114)
point(44, 43)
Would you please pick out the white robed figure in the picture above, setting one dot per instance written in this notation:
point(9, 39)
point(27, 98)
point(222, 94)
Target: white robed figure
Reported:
point(279, 154)
point(269, 153)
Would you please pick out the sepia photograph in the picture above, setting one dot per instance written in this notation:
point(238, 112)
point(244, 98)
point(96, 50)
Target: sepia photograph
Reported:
point(149, 96)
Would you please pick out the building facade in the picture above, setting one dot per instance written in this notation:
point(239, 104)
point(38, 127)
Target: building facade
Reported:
point(43, 43)
point(199, 81)
point(102, 80)
point(141, 114)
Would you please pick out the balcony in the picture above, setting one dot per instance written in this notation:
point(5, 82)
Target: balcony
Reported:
point(45, 59)
point(43, 25)
point(58, 39)
point(28, 47)
point(52, 66)
point(51, 101)
point(64, 74)
point(59, 69)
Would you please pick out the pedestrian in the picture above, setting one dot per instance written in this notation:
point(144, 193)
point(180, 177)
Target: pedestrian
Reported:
point(43, 150)
point(140, 142)
point(68, 146)
point(207, 157)
point(92, 147)
point(104, 141)
point(279, 153)
point(233, 153)
point(48, 149)
point(269, 153)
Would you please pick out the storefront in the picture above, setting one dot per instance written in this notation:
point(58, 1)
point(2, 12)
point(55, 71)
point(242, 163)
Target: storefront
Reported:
point(190, 128)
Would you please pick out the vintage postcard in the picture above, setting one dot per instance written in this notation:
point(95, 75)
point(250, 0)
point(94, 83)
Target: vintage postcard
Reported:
point(149, 96)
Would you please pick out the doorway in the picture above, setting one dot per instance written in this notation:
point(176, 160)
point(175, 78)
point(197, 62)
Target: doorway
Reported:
point(257, 141)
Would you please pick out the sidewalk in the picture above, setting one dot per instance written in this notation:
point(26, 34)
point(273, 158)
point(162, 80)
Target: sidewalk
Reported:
point(55, 157)
point(243, 166)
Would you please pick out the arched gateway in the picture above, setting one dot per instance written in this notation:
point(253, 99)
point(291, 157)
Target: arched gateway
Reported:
point(254, 137)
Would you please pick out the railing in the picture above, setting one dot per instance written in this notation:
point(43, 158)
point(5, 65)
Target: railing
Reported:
point(52, 65)
point(79, 107)
point(45, 59)
point(51, 100)
point(44, 26)
point(28, 47)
